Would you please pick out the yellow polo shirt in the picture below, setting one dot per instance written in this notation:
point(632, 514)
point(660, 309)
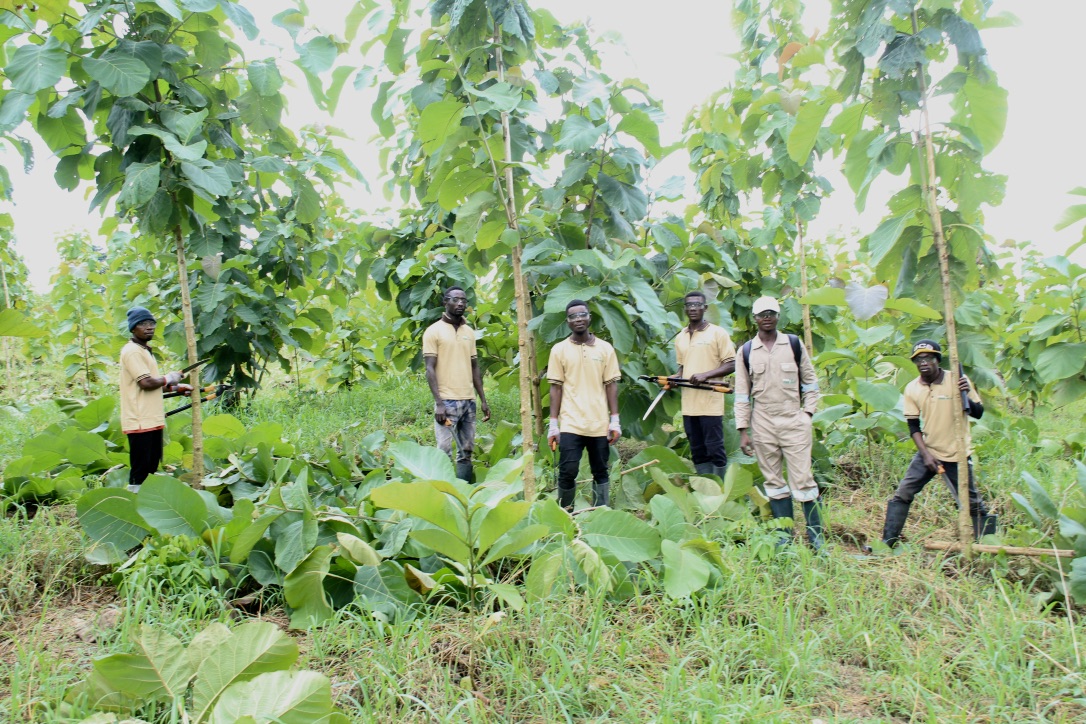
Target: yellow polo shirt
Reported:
point(454, 349)
point(934, 405)
point(701, 351)
point(583, 370)
point(141, 410)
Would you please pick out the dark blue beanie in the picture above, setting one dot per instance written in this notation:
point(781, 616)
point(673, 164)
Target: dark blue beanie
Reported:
point(137, 315)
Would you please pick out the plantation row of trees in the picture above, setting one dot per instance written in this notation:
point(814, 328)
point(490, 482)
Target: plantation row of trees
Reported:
point(517, 161)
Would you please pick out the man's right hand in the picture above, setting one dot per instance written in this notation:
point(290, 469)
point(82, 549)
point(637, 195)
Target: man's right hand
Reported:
point(439, 413)
point(172, 379)
point(929, 461)
point(553, 434)
point(745, 443)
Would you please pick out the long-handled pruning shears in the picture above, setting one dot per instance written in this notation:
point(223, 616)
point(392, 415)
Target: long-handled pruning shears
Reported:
point(214, 390)
point(667, 383)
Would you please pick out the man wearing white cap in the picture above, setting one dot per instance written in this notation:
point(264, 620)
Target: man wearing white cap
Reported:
point(776, 395)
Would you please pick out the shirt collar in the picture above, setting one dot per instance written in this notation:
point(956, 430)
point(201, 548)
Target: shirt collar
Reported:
point(757, 341)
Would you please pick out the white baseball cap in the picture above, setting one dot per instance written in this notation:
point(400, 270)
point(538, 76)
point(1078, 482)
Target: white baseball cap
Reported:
point(766, 304)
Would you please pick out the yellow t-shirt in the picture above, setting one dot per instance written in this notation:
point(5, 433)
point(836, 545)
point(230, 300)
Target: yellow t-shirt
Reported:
point(141, 410)
point(934, 405)
point(583, 370)
point(704, 350)
point(454, 349)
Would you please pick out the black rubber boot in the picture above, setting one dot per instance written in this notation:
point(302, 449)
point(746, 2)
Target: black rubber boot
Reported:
point(984, 525)
point(601, 493)
point(812, 511)
point(896, 515)
point(565, 498)
point(465, 472)
point(782, 508)
point(705, 468)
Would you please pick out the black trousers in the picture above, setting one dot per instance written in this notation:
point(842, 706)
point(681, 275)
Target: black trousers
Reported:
point(918, 475)
point(706, 436)
point(570, 449)
point(144, 454)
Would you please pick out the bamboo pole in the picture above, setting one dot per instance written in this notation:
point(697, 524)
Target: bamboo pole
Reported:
point(961, 422)
point(523, 303)
point(807, 338)
point(7, 348)
point(194, 375)
point(1009, 550)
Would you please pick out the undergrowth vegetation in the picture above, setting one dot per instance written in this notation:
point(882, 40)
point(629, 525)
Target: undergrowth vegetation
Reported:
point(776, 637)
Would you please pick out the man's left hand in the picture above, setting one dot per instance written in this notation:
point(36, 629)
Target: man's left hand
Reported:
point(486, 411)
point(963, 384)
point(614, 430)
point(699, 378)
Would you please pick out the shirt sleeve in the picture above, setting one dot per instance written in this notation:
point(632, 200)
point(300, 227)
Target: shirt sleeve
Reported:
point(727, 348)
point(429, 343)
point(474, 345)
point(680, 350)
point(556, 372)
point(808, 382)
point(742, 396)
point(611, 371)
point(911, 409)
point(135, 364)
point(973, 392)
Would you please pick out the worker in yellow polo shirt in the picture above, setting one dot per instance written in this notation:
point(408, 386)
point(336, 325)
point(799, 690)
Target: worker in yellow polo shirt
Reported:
point(705, 353)
point(452, 371)
point(929, 412)
point(583, 373)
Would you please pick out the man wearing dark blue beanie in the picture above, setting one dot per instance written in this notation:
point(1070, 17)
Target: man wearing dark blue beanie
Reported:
point(143, 415)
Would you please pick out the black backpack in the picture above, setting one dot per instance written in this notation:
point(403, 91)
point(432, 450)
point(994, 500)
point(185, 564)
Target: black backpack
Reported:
point(797, 352)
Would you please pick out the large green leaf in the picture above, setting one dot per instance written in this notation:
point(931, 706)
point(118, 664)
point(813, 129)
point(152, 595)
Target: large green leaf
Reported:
point(622, 197)
point(982, 107)
point(304, 590)
point(685, 572)
point(157, 670)
point(543, 575)
point(295, 542)
point(384, 584)
point(77, 446)
point(578, 287)
point(119, 73)
point(36, 67)
point(16, 324)
point(618, 326)
point(423, 500)
point(254, 648)
point(171, 507)
point(627, 537)
point(879, 396)
point(1061, 360)
point(425, 463)
point(284, 697)
point(110, 520)
point(578, 134)
point(826, 296)
point(212, 179)
point(140, 183)
point(516, 540)
point(802, 138)
point(913, 307)
point(249, 537)
point(96, 413)
point(883, 239)
point(638, 124)
point(437, 121)
point(1041, 498)
point(499, 521)
point(1077, 580)
point(224, 425)
point(865, 302)
point(669, 520)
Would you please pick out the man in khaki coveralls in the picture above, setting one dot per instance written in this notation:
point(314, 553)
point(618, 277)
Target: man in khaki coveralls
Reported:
point(452, 371)
point(583, 373)
point(705, 353)
point(775, 398)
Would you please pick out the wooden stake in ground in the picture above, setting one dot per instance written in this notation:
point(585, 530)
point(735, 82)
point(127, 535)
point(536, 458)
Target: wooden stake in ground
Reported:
point(524, 302)
point(194, 375)
point(807, 338)
point(961, 422)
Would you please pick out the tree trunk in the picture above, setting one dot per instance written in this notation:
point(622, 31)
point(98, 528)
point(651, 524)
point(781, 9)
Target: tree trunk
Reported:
point(194, 376)
point(961, 422)
point(7, 346)
point(524, 308)
point(807, 339)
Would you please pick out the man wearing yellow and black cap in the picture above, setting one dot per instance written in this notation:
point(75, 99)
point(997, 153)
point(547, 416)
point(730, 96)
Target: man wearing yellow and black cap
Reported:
point(929, 412)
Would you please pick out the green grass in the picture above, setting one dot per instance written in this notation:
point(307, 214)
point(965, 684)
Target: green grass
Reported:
point(914, 636)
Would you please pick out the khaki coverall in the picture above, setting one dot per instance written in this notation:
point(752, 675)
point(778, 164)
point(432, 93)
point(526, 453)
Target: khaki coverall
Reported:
point(768, 401)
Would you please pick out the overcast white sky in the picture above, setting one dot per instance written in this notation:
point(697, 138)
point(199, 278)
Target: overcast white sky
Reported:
point(681, 48)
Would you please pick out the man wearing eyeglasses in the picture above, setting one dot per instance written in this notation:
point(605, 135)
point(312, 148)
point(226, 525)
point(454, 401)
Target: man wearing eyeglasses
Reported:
point(583, 374)
point(452, 371)
point(776, 395)
point(705, 353)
